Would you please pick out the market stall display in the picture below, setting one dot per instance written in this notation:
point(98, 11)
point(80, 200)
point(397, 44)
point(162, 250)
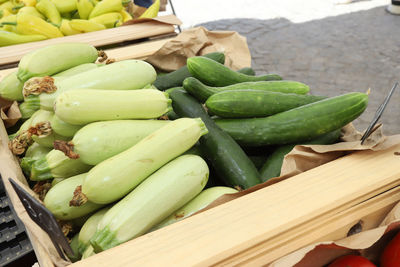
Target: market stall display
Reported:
point(119, 140)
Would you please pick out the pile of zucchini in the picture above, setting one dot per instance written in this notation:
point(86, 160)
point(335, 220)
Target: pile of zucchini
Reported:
point(116, 151)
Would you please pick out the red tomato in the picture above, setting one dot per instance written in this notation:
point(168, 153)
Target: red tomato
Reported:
point(391, 254)
point(352, 261)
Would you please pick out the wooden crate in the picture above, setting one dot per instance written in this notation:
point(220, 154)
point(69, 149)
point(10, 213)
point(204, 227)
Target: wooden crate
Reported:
point(10, 55)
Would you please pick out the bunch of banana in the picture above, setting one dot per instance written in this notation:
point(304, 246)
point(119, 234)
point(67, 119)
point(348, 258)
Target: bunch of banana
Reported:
point(23, 21)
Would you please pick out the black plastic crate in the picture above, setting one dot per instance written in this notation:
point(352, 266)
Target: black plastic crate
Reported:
point(14, 242)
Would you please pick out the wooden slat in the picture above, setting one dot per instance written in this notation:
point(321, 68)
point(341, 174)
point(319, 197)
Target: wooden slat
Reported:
point(250, 222)
point(134, 51)
point(11, 54)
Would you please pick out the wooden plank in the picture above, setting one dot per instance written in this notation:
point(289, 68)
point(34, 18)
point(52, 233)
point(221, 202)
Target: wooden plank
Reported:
point(134, 51)
point(239, 225)
point(325, 228)
point(14, 53)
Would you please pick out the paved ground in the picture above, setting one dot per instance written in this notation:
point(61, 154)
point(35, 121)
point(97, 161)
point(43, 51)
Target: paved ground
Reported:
point(334, 54)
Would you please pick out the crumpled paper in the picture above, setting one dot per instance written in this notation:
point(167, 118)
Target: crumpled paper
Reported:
point(9, 112)
point(199, 41)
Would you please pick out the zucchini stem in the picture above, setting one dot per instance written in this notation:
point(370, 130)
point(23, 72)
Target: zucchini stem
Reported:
point(38, 85)
point(42, 129)
point(19, 143)
point(79, 198)
point(67, 148)
point(102, 56)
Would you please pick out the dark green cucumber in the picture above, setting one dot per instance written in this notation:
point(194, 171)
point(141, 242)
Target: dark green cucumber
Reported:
point(255, 103)
point(247, 71)
point(226, 156)
point(216, 74)
point(299, 124)
point(273, 165)
point(202, 92)
point(175, 78)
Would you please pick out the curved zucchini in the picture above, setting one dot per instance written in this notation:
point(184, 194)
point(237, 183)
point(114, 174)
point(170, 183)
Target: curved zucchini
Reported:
point(216, 74)
point(175, 78)
point(63, 128)
point(299, 124)
point(117, 176)
point(56, 165)
point(89, 229)
point(55, 58)
point(84, 106)
point(227, 157)
point(99, 141)
point(122, 75)
point(11, 87)
point(255, 103)
point(273, 165)
point(58, 198)
point(169, 188)
point(201, 201)
point(202, 92)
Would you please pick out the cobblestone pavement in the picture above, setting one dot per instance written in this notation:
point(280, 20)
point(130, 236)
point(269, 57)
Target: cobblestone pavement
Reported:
point(334, 55)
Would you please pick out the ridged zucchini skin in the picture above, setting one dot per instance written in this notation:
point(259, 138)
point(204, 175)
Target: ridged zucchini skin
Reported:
point(201, 201)
point(216, 74)
point(56, 165)
point(226, 156)
point(11, 87)
point(89, 229)
point(58, 198)
point(297, 125)
point(99, 141)
point(273, 165)
point(202, 92)
point(255, 103)
point(55, 58)
point(169, 188)
point(115, 177)
point(121, 75)
point(80, 107)
point(175, 78)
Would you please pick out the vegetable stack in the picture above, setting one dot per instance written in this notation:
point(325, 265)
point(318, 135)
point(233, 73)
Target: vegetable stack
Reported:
point(123, 152)
point(23, 21)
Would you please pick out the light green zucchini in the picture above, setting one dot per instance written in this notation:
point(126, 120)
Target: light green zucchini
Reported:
point(159, 195)
point(55, 165)
point(84, 106)
point(55, 58)
point(76, 70)
point(27, 108)
point(99, 141)
point(63, 128)
point(33, 153)
point(89, 229)
point(115, 177)
point(58, 198)
point(21, 140)
point(122, 75)
point(11, 87)
point(74, 246)
point(89, 251)
point(57, 180)
point(41, 129)
point(201, 201)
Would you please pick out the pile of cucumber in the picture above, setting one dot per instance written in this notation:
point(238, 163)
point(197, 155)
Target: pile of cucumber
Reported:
point(116, 151)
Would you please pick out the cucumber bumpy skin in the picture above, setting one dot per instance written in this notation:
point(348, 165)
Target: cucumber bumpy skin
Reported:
point(216, 74)
point(297, 125)
point(169, 188)
point(115, 177)
point(55, 58)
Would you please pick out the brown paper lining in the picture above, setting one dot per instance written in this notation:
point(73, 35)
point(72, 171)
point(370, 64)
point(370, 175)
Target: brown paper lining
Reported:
point(9, 112)
point(199, 41)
